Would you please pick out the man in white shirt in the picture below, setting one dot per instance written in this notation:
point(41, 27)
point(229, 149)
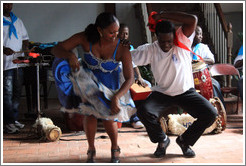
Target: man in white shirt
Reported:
point(238, 63)
point(15, 39)
point(201, 49)
point(172, 70)
point(204, 52)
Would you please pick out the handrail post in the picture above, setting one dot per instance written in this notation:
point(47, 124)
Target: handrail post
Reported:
point(229, 49)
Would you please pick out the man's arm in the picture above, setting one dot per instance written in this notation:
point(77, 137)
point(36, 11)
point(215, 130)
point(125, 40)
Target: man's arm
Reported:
point(139, 79)
point(208, 61)
point(239, 63)
point(189, 21)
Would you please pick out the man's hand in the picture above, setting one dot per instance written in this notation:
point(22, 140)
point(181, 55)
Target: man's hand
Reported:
point(140, 81)
point(195, 61)
point(125, 43)
point(8, 51)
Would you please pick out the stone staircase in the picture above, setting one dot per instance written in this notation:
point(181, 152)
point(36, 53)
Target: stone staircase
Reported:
point(235, 121)
point(234, 114)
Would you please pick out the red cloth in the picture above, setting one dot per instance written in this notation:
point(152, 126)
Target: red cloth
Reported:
point(152, 22)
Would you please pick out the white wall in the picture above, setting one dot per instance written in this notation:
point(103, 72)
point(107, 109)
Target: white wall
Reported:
point(50, 22)
point(125, 12)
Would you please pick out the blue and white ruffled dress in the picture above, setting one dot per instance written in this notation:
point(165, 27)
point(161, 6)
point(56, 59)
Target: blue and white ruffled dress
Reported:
point(96, 82)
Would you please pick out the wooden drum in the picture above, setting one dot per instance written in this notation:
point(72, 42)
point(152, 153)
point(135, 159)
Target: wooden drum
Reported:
point(202, 79)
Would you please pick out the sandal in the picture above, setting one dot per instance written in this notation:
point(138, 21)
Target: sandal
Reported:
point(91, 154)
point(115, 159)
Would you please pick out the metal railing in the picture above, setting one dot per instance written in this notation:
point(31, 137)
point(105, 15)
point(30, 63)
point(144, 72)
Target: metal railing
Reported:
point(217, 33)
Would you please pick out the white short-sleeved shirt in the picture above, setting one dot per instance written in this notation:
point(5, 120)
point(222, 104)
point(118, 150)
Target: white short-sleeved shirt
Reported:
point(13, 43)
point(239, 57)
point(203, 51)
point(172, 70)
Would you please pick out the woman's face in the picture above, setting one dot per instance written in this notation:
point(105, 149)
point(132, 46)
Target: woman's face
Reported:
point(111, 32)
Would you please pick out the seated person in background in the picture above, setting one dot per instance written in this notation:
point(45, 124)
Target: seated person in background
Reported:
point(238, 63)
point(124, 35)
point(203, 51)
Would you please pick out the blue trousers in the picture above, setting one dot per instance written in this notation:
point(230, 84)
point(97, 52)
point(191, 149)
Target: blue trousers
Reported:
point(240, 87)
point(217, 91)
point(12, 85)
point(192, 102)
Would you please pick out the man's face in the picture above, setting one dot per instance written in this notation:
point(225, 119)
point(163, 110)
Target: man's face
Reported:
point(165, 41)
point(7, 7)
point(198, 37)
point(124, 33)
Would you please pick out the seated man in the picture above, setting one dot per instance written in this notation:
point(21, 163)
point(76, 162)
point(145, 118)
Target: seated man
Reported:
point(124, 35)
point(204, 52)
point(238, 63)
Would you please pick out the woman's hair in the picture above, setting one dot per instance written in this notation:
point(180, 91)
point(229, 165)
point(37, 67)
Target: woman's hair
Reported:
point(103, 20)
point(165, 27)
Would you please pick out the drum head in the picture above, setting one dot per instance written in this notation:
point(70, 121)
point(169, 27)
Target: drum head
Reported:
point(216, 102)
point(198, 66)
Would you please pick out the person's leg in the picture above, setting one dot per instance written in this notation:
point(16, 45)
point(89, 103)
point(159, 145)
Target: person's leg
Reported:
point(149, 113)
point(8, 113)
point(240, 87)
point(201, 109)
point(217, 91)
point(112, 131)
point(90, 128)
point(17, 89)
point(135, 122)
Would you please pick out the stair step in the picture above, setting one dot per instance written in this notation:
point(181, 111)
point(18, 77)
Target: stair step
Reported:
point(234, 120)
point(230, 99)
point(234, 125)
point(234, 116)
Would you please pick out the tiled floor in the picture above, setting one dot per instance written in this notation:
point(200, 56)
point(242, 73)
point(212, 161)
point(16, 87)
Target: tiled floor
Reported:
point(25, 147)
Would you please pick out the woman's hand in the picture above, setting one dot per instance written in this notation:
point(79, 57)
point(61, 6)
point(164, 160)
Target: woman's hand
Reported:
point(74, 63)
point(115, 105)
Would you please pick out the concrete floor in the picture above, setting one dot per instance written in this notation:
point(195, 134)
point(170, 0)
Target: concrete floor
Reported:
point(26, 147)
